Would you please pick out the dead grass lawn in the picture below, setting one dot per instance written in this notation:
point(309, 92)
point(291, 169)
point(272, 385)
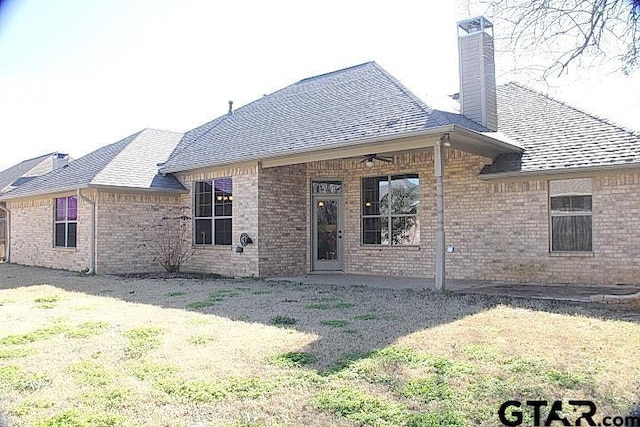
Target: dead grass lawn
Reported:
point(107, 351)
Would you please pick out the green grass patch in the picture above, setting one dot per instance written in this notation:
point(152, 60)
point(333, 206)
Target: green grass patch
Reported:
point(47, 302)
point(82, 418)
point(201, 339)
point(292, 359)
point(283, 320)
point(439, 418)
point(329, 304)
point(482, 352)
point(147, 370)
point(107, 397)
point(36, 335)
point(176, 294)
point(433, 387)
point(365, 317)
point(87, 329)
point(15, 353)
point(362, 408)
point(570, 380)
point(14, 378)
point(193, 391)
point(142, 340)
point(213, 391)
point(27, 407)
point(335, 323)
point(214, 298)
point(91, 373)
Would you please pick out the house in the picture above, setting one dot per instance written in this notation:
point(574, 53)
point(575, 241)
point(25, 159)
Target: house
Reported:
point(350, 172)
point(17, 175)
point(91, 214)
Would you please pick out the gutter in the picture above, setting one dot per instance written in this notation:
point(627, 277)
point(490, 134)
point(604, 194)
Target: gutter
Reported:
point(432, 131)
point(92, 238)
point(561, 171)
point(7, 257)
point(9, 196)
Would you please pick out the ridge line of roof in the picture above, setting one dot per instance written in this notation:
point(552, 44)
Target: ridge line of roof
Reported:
point(341, 70)
point(405, 90)
point(601, 119)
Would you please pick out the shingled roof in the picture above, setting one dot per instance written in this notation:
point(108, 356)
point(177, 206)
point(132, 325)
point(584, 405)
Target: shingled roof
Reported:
point(129, 163)
point(25, 171)
point(557, 136)
point(348, 105)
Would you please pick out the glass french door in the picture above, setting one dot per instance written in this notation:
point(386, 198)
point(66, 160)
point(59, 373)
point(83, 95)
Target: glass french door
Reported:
point(327, 242)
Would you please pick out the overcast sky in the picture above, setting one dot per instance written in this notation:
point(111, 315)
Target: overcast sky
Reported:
point(79, 74)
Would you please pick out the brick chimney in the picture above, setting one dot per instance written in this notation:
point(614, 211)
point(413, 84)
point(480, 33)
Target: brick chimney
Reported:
point(477, 72)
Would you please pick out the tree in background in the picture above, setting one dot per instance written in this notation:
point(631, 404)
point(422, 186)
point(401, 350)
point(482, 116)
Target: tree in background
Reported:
point(568, 32)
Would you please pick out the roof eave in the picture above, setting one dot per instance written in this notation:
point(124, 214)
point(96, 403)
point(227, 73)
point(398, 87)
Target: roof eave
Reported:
point(8, 196)
point(463, 133)
point(560, 171)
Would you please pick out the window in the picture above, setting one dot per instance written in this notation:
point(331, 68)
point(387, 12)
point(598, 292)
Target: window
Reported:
point(390, 210)
point(570, 210)
point(66, 222)
point(213, 212)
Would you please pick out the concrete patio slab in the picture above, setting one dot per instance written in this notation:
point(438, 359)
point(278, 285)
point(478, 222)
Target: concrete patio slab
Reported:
point(561, 292)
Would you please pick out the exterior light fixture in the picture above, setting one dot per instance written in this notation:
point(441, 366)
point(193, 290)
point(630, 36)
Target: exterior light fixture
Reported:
point(367, 204)
point(320, 203)
point(369, 163)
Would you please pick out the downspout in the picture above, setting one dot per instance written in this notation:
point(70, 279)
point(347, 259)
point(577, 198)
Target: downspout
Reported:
point(7, 242)
point(439, 281)
point(92, 238)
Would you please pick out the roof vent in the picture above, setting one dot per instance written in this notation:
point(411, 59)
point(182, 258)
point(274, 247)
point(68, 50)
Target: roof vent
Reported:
point(230, 108)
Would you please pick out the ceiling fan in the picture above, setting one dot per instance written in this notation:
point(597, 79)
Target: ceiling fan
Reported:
point(369, 158)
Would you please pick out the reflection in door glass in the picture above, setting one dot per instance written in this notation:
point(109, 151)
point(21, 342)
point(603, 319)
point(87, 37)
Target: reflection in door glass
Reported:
point(327, 229)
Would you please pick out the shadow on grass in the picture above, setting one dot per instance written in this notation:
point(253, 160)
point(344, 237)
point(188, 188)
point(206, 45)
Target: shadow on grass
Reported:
point(350, 321)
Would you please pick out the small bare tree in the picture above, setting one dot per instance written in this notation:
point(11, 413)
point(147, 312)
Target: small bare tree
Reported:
point(169, 241)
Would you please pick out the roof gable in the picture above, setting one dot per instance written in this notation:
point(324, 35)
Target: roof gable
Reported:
point(130, 162)
point(352, 104)
point(24, 171)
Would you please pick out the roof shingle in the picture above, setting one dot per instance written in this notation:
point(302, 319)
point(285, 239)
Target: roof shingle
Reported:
point(557, 136)
point(131, 163)
point(356, 103)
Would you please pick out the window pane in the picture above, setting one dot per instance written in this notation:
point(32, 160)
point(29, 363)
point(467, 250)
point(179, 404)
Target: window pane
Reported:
point(203, 232)
point(405, 194)
point(71, 234)
point(371, 231)
point(223, 231)
point(405, 230)
point(60, 231)
point(571, 204)
point(72, 208)
point(571, 233)
point(203, 199)
point(327, 187)
point(223, 197)
point(61, 209)
point(374, 195)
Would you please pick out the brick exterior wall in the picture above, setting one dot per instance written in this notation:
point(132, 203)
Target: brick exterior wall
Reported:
point(499, 228)
point(32, 234)
point(283, 220)
point(127, 239)
point(222, 259)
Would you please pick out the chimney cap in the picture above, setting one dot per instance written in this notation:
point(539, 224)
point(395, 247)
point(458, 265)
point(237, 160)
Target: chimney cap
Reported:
point(473, 25)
